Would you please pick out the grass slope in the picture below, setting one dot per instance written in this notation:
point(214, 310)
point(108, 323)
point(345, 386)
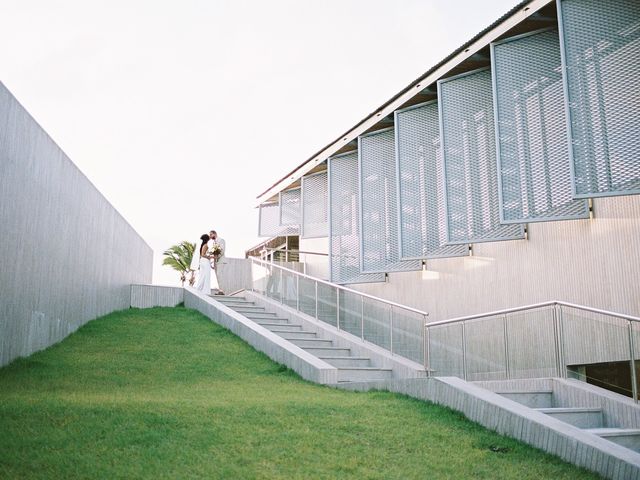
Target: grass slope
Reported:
point(164, 393)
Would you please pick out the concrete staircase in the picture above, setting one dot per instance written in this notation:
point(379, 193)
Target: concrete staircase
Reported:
point(351, 367)
point(590, 419)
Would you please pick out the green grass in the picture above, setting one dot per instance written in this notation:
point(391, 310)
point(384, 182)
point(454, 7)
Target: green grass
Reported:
point(165, 393)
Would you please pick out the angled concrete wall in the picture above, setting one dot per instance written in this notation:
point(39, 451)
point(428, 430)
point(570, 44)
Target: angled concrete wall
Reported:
point(67, 255)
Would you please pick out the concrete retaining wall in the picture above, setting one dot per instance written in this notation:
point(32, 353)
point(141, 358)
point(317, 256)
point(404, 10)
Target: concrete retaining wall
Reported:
point(515, 420)
point(67, 255)
point(275, 347)
point(147, 296)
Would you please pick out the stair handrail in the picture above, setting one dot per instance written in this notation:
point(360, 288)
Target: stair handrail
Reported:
point(340, 287)
point(534, 306)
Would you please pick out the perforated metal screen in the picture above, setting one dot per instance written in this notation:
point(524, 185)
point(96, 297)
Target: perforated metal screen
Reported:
point(269, 222)
point(468, 145)
point(344, 219)
point(314, 206)
point(423, 232)
point(533, 156)
point(379, 205)
point(601, 56)
point(290, 208)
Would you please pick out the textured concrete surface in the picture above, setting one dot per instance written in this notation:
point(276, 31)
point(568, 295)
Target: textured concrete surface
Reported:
point(275, 347)
point(518, 421)
point(402, 367)
point(146, 296)
point(67, 255)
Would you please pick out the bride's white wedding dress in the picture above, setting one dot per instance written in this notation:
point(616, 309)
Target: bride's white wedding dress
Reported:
point(204, 276)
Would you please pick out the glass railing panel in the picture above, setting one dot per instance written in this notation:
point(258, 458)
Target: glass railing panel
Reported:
point(327, 306)
point(532, 345)
point(445, 350)
point(351, 313)
point(596, 349)
point(635, 333)
point(485, 349)
point(307, 289)
point(260, 276)
point(377, 324)
point(408, 340)
point(289, 289)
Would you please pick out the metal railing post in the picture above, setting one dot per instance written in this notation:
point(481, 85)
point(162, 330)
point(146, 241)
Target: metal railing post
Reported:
point(281, 286)
point(464, 353)
point(338, 308)
point(362, 318)
point(507, 361)
point(425, 345)
point(298, 293)
point(316, 299)
point(556, 339)
point(632, 361)
point(391, 328)
point(563, 366)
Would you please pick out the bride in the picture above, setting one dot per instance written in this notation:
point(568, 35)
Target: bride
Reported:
point(204, 278)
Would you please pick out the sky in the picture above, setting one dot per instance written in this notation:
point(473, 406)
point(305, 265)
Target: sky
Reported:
point(181, 113)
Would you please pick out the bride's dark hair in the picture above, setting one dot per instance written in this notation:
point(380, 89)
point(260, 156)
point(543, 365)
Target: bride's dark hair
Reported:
point(205, 238)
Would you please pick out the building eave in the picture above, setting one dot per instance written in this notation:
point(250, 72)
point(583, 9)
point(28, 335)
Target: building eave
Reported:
point(520, 12)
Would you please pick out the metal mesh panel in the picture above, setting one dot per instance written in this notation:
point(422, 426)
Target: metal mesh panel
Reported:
point(601, 47)
point(379, 220)
point(269, 222)
point(344, 236)
point(290, 208)
point(314, 206)
point(423, 231)
point(468, 144)
point(533, 156)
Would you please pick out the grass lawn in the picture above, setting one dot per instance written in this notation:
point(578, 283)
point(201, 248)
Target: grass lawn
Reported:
point(165, 393)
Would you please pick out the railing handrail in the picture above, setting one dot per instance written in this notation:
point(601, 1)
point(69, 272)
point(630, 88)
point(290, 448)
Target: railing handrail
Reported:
point(340, 287)
point(506, 311)
point(293, 250)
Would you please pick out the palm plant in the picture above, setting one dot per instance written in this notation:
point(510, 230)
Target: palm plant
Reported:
point(179, 258)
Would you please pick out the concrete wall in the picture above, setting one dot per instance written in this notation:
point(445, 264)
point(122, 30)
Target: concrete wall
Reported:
point(147, 296)
point(234, 274)
point(67, 255)
point(590, 262)
point(316, 265)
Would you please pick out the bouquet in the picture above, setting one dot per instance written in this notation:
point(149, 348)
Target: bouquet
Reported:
point(216, 250)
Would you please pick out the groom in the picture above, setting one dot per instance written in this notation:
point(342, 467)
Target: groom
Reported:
point(217, 264)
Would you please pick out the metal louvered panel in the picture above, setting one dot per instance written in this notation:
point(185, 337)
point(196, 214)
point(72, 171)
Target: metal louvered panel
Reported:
point(468, 147)
point(423, 232)
point(344, 212)
point(379, 206)
point(533, 157)
point(314, 205)
point(290, 208)
point(269, 222)
point(600, 42)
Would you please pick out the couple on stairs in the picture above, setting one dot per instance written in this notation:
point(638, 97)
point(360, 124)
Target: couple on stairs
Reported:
point(206, 258)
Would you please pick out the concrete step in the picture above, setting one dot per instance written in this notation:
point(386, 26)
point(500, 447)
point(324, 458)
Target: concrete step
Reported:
point(254, 315)
point(300, 335)
point(363, 374)
point(249, 308)
point(316, 342)
point(267, 322)
point(627, 437)
point(234, 304)
point(328, 350)
point(576, 416)
point(225, 298)
point(531, 399)
point(284, 327)
point(346, 361)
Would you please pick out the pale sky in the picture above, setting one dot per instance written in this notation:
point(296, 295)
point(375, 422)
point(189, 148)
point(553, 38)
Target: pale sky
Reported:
point(182, 112)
